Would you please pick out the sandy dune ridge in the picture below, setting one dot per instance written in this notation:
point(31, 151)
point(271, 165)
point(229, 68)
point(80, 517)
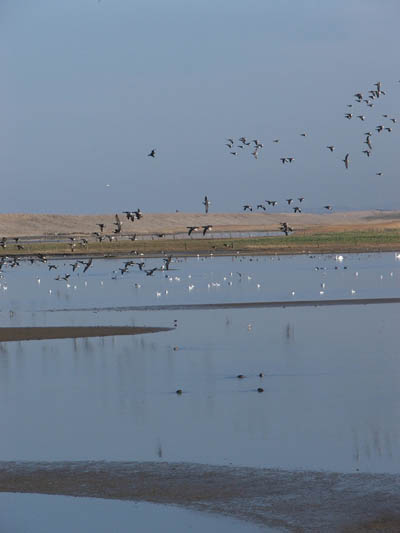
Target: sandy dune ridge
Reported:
point(42, 225)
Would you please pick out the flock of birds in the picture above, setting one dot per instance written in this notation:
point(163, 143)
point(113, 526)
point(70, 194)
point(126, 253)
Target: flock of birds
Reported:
point(255, 146)
point(369, 100)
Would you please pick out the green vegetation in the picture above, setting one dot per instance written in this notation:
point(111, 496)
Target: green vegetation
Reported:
point(356, 241)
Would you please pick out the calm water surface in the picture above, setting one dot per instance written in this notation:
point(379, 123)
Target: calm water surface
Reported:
point(65, 514)
point(331, 397)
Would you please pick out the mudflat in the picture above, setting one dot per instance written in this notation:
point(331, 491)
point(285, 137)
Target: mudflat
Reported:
point(71, 332)
point(300, 501)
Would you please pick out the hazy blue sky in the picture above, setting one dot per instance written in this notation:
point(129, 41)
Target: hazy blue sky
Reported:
point(88, 88)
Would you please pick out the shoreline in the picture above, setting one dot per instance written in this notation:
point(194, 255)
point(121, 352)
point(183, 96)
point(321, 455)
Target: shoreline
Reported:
point(26, 235)
point(291, 500)
point(317, 243)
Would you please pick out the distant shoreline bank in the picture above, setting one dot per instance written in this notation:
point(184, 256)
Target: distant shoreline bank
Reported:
point(228, 234)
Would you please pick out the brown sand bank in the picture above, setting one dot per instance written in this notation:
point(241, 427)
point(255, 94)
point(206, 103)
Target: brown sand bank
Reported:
point(299, 501)
point(71, 332)
point(41, 225)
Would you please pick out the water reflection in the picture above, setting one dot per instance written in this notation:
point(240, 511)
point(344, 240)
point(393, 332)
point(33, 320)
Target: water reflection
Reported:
point(330, 400)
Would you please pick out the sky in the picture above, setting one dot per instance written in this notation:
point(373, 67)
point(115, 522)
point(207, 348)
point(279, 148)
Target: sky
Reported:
point(88, 88)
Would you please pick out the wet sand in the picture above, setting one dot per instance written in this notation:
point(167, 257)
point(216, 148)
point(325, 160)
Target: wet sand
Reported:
point(300, 501)
point(238, 305)
point(73, 332)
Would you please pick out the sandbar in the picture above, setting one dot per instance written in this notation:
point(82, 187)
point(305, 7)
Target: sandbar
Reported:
point(300, 501)
point(71, 332)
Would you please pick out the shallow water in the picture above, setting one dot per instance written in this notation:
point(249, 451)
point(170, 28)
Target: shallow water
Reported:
point(330, 400)
point(42, 513)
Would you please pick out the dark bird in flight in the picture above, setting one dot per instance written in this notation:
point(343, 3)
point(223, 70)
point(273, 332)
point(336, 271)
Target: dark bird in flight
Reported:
point(331, 148)
point(206, 228)
point(152, 153)
point(247, 208)
point(300, 199)
point(130, 215)
point(88, 265)
point(192, 229)
point(261, 206)
point(101, 226)
point(206, 202)
point(346, 161)
point(328, 207)
point(289, 200)
point(151, 271)
point(296, 209)
point(117, 223)
point(167, 261)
